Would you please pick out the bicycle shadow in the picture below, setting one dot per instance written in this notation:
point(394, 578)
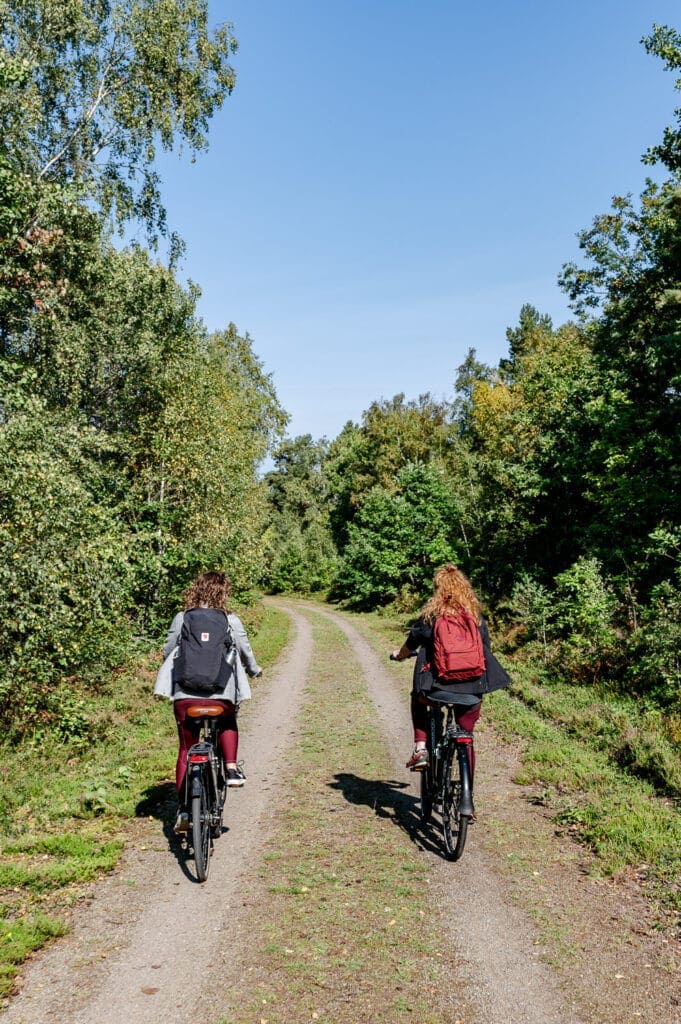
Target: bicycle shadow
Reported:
point(389, 799)
point(160, 802)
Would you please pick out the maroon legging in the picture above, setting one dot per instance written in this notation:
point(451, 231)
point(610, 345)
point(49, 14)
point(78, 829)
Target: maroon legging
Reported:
point(465, 718)
point(188, 731)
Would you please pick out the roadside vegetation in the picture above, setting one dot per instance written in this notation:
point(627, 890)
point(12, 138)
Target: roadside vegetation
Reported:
point(130, 435)
point(69, 808)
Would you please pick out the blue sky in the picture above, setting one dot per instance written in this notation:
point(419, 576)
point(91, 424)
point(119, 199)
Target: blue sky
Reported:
point(390, 181)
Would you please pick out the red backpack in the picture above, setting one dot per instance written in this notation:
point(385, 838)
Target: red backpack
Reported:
point(457, 647)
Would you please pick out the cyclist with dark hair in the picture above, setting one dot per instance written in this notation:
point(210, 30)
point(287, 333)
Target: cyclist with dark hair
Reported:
point(210, 590)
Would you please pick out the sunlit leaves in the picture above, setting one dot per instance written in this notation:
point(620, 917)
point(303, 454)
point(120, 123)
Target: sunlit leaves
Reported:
point(90, 92)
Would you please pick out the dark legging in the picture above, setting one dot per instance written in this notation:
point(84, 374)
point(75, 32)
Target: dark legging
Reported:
point(188, 731)
point(464, 715)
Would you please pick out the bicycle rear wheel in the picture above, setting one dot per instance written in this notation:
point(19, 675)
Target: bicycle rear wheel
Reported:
point(201, 837)
point(454, 825)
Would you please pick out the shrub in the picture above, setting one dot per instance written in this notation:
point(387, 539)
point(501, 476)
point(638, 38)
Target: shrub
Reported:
point(655, 648)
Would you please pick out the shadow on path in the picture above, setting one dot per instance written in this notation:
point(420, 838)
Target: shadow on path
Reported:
point(388, 799)
point(161, 802)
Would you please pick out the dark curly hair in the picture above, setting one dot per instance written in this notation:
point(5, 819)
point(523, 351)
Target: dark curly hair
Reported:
point(210, 589)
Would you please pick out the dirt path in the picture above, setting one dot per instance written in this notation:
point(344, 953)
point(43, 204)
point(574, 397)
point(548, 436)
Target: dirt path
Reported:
point(143, 950)
point(132, 954)
point(497, 950)
point(614, 965)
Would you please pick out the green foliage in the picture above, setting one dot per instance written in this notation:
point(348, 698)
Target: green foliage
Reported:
point(302, 555)
point(129, 437)
point(655, 648)
point(90, 92)
point(585, 605)
point(392, 434)
point(64, 575)
point(665, 42)
point(399, 537)
point(532, 603)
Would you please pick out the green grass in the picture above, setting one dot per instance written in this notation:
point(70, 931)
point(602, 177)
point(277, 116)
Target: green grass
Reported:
point(342, 885)
point(67, 810)
point(618, 816)
point(18, 939)
point(271, 637)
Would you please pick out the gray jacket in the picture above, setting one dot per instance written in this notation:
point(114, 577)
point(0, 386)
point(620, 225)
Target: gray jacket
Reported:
point(237, 688)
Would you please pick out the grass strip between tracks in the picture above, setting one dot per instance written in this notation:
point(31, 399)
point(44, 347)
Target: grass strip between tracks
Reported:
point(68, 811)
point(344, 931)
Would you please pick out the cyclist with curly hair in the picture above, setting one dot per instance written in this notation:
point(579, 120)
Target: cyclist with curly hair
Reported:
point(454, 597)
point(211, 590)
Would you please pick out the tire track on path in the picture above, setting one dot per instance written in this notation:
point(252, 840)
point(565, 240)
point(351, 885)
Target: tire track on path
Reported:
point(500, 967)
point(142, 951)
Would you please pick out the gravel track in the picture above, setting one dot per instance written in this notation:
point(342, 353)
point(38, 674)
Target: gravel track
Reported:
point(496, 945)
point(152, 943)
point(153, 946)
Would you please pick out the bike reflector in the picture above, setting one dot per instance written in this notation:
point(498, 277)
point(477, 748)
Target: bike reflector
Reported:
point(198, 758)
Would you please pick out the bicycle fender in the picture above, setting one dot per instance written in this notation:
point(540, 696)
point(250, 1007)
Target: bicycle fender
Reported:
point(196, 786)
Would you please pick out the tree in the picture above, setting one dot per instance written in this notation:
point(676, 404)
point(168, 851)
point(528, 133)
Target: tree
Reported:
point(302, 554)
point(399, 537)
point(90, 92)
point(393, 433)
point(631, 287)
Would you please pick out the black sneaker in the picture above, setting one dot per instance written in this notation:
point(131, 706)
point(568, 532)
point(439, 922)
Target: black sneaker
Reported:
point(235, 776)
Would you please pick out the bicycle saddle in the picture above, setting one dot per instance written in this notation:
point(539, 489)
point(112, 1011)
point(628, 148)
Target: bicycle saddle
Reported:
point(438, 699)
point(204, 710)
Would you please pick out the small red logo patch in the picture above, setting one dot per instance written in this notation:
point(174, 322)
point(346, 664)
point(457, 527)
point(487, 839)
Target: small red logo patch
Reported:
point(205, 637)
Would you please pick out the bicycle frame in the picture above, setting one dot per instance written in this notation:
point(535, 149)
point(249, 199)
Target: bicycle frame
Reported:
point(452, 797)
point(204, 769)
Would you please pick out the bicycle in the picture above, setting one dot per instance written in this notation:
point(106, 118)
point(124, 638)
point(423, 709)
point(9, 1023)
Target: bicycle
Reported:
point(205, 786)
point(446, 783)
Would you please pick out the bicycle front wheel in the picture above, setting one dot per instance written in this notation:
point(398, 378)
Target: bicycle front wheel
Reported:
point(201, 831)
point(426, 795)
point(454, 825)
point(428, 782)
point(216, 828)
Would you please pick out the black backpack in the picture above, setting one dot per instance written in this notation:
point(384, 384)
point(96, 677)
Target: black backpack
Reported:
point(206, 641)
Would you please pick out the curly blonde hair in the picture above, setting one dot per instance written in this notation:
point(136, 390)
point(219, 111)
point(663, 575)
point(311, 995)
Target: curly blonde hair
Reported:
point(452, 592)
point(210, 590)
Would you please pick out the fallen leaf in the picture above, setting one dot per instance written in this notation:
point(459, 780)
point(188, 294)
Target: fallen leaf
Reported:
point(149, 991)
